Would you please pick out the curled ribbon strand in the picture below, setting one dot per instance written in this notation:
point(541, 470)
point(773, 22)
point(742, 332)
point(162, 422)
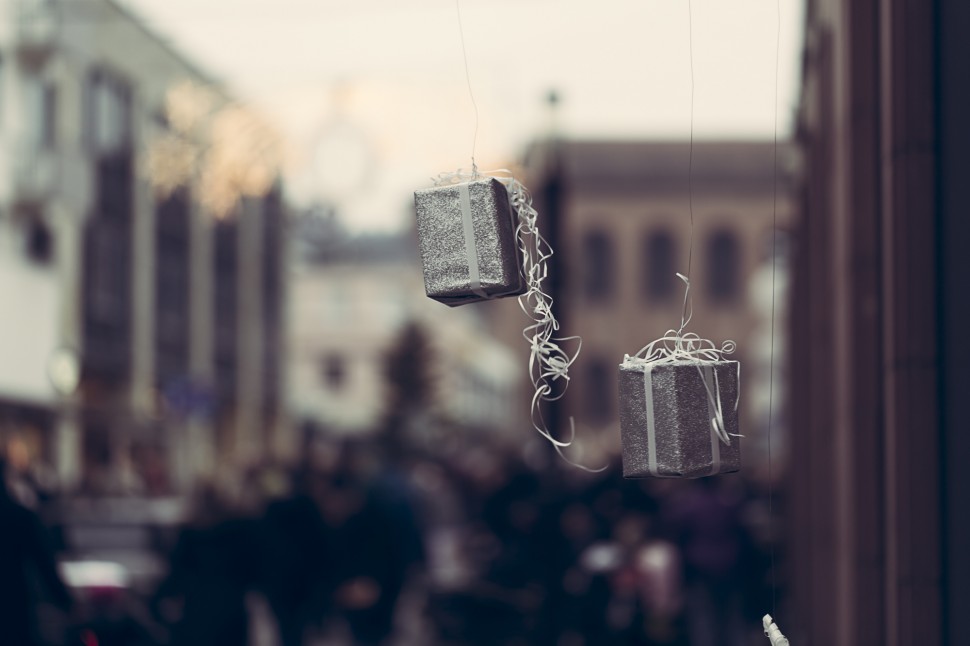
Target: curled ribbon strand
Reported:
point(772, 632)
point(676, 346)
point(549, 362)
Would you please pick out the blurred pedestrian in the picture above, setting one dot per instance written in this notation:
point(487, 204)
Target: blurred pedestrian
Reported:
point(384, 544)
point(213, 567)
point(28, 571)
point(298, 571)
point(30, 481)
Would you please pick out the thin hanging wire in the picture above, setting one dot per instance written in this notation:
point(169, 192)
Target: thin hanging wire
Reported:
point(771, 364)
point(468, 80)
point(690, 158)
point(688, 308)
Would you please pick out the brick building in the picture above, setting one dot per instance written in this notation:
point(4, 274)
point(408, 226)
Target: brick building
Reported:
point(621, 235)
point(171, 318)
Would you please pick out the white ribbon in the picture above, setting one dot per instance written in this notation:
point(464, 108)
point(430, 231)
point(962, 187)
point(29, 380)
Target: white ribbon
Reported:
point(677, 346)
point(548, 361)
point(772, 632)
point(474, 275)
point(709, 376)
point(651, 423)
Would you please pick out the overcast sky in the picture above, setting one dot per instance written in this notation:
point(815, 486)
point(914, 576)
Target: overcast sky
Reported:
point(372, 94)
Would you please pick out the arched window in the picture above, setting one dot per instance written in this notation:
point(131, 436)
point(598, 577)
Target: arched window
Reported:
point(109, 107)
point(598, 265)
point(333, 371)
point(599, 395)
point(723, 267)
point(659, 261)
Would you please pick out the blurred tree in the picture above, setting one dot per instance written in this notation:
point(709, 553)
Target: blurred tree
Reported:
point(408, 370)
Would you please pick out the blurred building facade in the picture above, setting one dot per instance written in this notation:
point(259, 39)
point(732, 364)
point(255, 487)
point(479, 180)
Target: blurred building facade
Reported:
point(618, 215)
point(145, 334)
point(879, 476)
point(351, 299)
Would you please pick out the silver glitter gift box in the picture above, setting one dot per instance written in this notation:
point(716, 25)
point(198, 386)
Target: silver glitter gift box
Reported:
point(665, 419)
point(467, 237)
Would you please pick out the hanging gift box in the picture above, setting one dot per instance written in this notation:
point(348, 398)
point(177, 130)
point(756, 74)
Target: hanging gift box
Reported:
point(479, 239)
point(679, 407)
point(673, 420)
point(467, 233)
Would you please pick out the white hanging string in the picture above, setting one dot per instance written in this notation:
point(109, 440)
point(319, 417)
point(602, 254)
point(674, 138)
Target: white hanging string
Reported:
point(771, 630)
point(549, 361)
point(771, 360)
point(688, 309)
point(468, 80)
point(690, 149)
point(678, 345)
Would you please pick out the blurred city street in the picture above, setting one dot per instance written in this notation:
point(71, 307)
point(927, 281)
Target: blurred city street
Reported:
point(231, 415)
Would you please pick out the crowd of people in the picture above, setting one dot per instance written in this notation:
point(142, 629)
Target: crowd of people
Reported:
point(558, 556)
point(467, 544)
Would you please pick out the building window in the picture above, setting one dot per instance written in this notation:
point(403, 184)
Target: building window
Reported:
point(33, 102)
point(107, 297)
point(598, 261)
point(659, 266)
point(273, 301)
point(172, 287)
point(108, 113)
point(109, 250)
point(599, 392)
point(39, 241)
point(723, 267)
point(48, 135)
point(2, 82)
point(225, 268)
point(115, 188)
point(334, 371)
point(40, 102)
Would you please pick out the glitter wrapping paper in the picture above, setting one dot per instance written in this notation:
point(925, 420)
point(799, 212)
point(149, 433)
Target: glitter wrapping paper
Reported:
point(682, 420)
point(445, 254)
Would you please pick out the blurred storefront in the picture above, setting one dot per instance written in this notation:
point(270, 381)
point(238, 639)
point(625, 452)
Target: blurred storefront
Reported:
point(137, 329)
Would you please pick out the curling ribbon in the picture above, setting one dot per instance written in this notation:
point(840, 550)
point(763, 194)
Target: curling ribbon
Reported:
point(677, 345)
point(773, 633)
point(548, 361)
